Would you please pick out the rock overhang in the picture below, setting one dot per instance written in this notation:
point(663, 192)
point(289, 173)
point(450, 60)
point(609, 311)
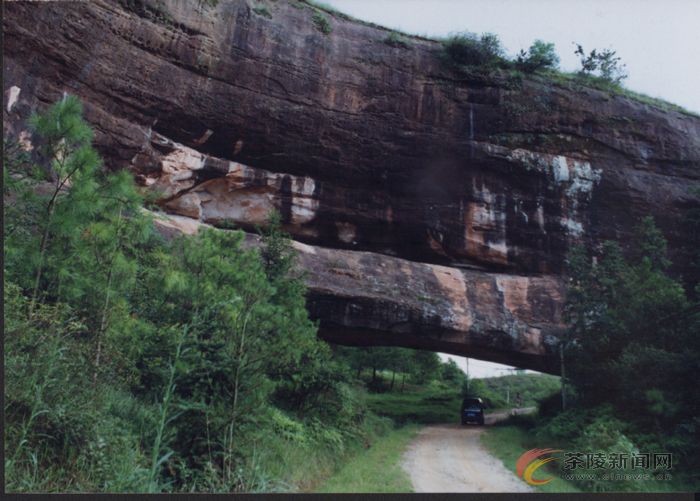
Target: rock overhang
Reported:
point(363, 148)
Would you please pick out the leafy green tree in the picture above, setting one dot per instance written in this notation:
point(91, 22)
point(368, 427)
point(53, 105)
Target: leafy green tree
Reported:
point(427, 365)
point(314, 385)
point(81, 213)
point(400, 360)
point(195, 339)
point(469, 49)
point(628, 343)
point(353, 357)
point(650, 244)
point(474, 388)
point(248, 329)
point(452, 374)
point(604, 62)
point(539, 55)
point(277, 253)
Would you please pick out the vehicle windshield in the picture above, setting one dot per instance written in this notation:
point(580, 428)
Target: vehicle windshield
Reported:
point(471, 403)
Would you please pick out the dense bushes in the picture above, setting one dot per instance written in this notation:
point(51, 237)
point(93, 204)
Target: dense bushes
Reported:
point(469, 49)
point(632, 358)
point(604, 62)
point(321, 22)
point(483, 57)
point(629, 343)
point(539, 55)
point(133, 364)
point(393, 39)
point(466, 52)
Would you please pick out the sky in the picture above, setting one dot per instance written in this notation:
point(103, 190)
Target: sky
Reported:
point(658, 40)
point(480, 369)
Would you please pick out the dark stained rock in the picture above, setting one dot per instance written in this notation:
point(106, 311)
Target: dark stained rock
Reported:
point(361, 146)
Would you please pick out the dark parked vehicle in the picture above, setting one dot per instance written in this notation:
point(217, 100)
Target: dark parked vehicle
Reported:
point(472, 410)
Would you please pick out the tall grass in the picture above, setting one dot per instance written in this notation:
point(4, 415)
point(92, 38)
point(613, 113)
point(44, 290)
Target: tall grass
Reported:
point(377, 468)
point(164, 408)
point(508, 443)
point(44, 381)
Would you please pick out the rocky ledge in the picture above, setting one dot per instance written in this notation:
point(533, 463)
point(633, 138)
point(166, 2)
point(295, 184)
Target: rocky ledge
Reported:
point(370, 299)
point(366, 148)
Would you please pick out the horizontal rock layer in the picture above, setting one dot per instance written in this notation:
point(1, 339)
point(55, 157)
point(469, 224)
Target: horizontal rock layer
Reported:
point(365, 298)
point(360, 145)
point(406, 157)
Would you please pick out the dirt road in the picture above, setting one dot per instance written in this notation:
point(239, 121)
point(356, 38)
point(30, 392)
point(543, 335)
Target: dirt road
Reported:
point(449, 458)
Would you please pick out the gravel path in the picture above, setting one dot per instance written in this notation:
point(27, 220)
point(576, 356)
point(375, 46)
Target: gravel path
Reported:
point(449, 458)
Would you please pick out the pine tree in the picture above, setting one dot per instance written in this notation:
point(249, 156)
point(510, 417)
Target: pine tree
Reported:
point(74, 164)
point(277, 253)
point(86, 224)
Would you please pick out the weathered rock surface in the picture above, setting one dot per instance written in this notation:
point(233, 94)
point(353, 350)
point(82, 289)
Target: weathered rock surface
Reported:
point(360, 145)
point(365, 298)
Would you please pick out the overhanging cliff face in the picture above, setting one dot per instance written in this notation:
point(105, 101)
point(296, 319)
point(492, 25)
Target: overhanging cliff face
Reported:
point(366, 298)
point(362, 147)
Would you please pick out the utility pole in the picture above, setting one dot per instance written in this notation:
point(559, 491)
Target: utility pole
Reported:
point(467, 374)
point(508, 394)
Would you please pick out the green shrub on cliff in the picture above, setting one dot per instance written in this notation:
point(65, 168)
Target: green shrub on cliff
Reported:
point(321, 22)
point(469, 49)
point(394, 40)
point(539, 55)
point(604, 62)
point(263, 11)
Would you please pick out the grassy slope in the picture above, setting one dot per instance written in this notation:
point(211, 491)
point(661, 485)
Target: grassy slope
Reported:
point(376, 469)
point(416, 407)
point(507, 443)
point(432, 404)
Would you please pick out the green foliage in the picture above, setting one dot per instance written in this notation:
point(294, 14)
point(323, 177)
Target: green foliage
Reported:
point(15, 160)
point(590, 430)
point(137, 365)
point(278, 256)
point(650, 245)
point(691, 224)
point(263, 11)
point(434, 403)
point(321, 22)
point(451, 373)
point(427, 364)
point(152, 10)
point(377, 468)
point(509, 442)
point(531, 387)
point(627, 344)
point(539, 55)
point(604, 62)
point(419, 366)
point(393, 39)
point(468, 49)
point(79, 218)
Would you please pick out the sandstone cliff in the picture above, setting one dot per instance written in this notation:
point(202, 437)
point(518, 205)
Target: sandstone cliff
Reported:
point(452, 201)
